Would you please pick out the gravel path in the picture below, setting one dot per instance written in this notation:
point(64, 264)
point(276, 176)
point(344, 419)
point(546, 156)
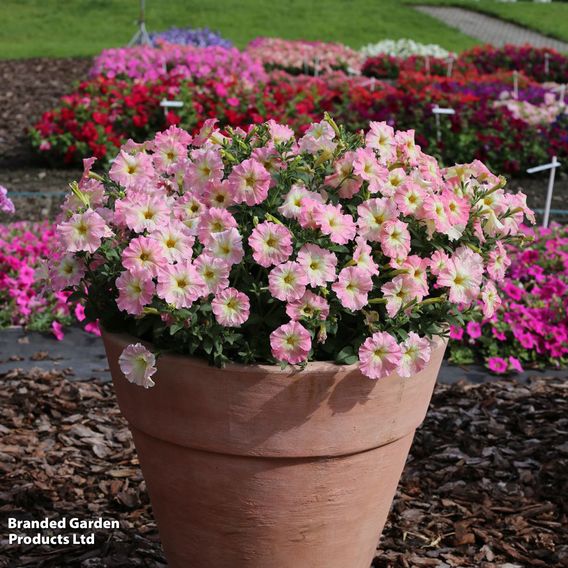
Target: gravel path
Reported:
point(488, 29)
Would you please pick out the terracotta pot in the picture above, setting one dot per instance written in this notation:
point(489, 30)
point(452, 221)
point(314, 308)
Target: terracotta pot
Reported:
point(255, 467)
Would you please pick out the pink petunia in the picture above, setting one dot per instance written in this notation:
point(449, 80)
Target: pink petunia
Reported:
point(135, 290)
point(249, 182)
point(309, 306)
point(291, 343)
point(379, 356)
point(180, 284)
point(231, 307)
point(271, 244)
point(145, 254)
point(319, 264)
point(415, 354)
point(333, 222)
point(287, 281)
point(497, 365)
point(84, 231)
point(352, 287)
point(138, 365)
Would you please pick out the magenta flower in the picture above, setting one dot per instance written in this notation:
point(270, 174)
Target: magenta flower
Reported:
point(497, 365)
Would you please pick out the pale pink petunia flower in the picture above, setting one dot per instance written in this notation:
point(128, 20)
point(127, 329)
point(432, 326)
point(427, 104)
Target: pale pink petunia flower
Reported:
point(397, 293)
point(279, 132)
point(249, 181)
point(379, 356)
point(294, 202)
point(218, 194)
point(175, 241)
point(214, 220)
point(180, 284)
point(318, 137)
point(415, 355)
point(144, 212)
point(138, 365)
point(188, 209)
point(339, 226)
point(205, 168)
point(6, 204)
point(84, 231)
point(373, 213)
point(318, 263)
point(145, 254)
point(462, 275)
point(231, 307)
point(135, 291)
point(132, 171)
point(352, 287)
point(287, 281)
point(395, 239)
point(309, 306)
point(490, 299)
point(291, 343)
point(214, 271)
point(367, 167)
point(363, 256)
point(498, 263)
point(409, 198)
point(438, 262)
point(65, 271)
point(380, 137)
point(226, 245)
point(271, 243)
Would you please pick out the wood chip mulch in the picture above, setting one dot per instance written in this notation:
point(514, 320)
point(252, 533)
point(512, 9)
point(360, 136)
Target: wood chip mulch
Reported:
point(486, 485)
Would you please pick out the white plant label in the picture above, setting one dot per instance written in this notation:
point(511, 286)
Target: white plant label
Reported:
point(552, 167)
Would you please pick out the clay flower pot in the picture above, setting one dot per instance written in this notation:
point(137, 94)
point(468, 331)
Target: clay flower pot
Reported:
point(255, 467)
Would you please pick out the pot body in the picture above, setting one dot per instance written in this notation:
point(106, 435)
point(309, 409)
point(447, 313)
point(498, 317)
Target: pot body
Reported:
point(252, 466)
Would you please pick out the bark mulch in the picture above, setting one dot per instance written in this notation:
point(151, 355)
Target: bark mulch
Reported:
point(31, 87)
point(485, 486)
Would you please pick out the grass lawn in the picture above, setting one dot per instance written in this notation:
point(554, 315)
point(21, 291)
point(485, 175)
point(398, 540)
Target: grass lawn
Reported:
point(549, 19)
point(30, 28)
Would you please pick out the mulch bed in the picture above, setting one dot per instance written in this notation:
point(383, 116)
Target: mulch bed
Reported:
point(485, 487)
point(31, 87)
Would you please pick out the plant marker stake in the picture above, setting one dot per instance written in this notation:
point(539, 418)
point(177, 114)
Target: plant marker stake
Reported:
point(437, 112)
point(165, 104)
point(515, 84)
point(562, 93)
point(552, 167)
point(546, 63)
point(141, 37)
point(373, 80)
point(316, 66)
point(450, 65)
point(427, 65)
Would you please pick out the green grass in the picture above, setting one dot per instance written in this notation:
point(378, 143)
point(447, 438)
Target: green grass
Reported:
point(31, 28)
point(549, 19)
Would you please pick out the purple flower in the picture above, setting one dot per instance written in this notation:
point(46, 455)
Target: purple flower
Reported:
point(199, 37)
point(6, 205)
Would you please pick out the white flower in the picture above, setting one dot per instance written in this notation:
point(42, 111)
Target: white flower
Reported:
point(138, 365)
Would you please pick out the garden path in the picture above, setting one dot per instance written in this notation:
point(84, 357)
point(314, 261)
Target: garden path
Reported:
point(490, 30)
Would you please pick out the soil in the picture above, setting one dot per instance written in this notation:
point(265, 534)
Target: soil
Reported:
point(484, 487)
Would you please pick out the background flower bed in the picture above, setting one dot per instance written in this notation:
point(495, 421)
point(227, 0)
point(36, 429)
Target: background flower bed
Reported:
point(531, 327)
point(23, 300)
point(101, 114)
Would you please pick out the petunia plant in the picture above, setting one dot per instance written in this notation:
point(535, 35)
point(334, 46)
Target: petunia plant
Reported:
point(258, 247)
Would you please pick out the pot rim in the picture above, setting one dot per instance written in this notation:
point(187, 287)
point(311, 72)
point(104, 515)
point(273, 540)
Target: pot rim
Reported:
point(311, 367)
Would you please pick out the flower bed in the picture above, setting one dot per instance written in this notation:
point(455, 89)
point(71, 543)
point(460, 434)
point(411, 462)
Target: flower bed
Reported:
point(187, 62)
point(198, 37)
point(532, 61)
point(404, 48)
point(531, 328)
point(234, 87)
point(23, 249)
point(304, 57)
